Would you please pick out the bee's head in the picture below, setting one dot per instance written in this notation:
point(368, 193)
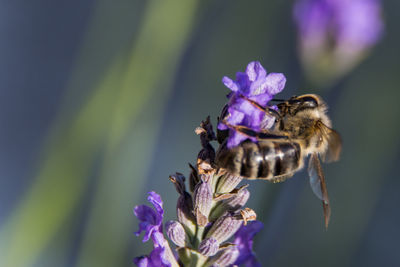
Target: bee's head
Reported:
point(302, 103)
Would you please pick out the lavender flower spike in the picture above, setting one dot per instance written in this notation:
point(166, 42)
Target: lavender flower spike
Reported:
point(335, 35)
point(255, 85)
point(212, 211)
point(151, 225)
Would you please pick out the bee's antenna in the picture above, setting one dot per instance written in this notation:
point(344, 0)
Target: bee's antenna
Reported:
point(277, 100)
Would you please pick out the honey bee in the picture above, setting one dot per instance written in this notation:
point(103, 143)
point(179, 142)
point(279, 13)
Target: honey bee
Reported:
point(302, 129)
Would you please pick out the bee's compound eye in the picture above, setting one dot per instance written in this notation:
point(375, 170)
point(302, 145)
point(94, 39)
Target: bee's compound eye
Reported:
point(310, 102)
point(306, 102)
point(294, 101)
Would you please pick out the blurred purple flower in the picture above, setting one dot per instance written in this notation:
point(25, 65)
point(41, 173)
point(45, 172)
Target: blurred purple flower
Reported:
point(335, 34)
point(244, 242)
point(255, 85)
point(151, 225)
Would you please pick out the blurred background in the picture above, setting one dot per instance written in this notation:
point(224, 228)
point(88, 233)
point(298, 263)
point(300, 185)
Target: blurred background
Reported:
point(99, 102)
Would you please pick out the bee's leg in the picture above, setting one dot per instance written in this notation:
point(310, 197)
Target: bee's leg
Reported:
point(242, 129)
point(269, 111)
point(274, 113)
point(254, 103)
point(251, 133)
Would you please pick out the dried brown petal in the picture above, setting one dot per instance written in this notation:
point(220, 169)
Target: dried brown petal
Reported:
point(194, 178)
point(179, 181)
point(233, 193)
point(205, 164)
point(206, 156)
point(206, 131)
point(248, 215)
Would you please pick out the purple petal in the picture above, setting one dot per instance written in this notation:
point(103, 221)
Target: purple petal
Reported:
point(156, 258)
point(150, 219)
point(244, 242)
point(145, 213)
point(156, 200)
point(243, 82)
point(261, 99)
point(158, 239)
point(236, 117)
point(274, 83)
point(247, 232)
point(148, 230)
point(141, 261)
point(242, 106)
point(222, 126)
point(235, 139)
point(257, 118)
point(228, 82)
point(255, 71)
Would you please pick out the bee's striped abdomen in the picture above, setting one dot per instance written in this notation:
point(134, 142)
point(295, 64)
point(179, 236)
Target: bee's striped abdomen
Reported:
point(251, 159)
point(286, 158)
point(263, 160)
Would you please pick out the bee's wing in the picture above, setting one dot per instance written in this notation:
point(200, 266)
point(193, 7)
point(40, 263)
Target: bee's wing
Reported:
point(334, 143)
point(334, 147)
point(318, 185)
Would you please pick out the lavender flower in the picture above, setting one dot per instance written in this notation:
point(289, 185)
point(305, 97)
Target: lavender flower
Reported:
point(218, 213)
point(151, 219)
point(151, 225)
point(213, 210)
point(257, 86)
point(244, 242)
point(334, 35)
point(156, 258)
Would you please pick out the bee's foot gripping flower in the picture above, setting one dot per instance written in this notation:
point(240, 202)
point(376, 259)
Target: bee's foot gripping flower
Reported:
point(250, 87)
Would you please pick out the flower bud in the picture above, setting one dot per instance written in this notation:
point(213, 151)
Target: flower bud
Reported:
point(176, 233)
point(209, 247)
point(239, 200)
point(202, 201)
point(225, 257)
point(228, 182)
point(224, 227)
